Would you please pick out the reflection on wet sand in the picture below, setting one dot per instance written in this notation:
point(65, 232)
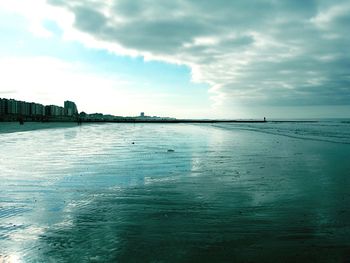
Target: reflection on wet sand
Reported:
point(222, 195)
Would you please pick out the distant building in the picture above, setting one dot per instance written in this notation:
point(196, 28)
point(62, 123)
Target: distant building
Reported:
point(37, 109)
point(53, 110)
point(12, 106)
point(70, 108)
point(12, 109)
point(23, 108)
point(83, 114)
point(142, 114)
point(3, 105)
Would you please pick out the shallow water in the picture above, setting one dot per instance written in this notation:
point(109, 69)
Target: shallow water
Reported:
point(113, 192)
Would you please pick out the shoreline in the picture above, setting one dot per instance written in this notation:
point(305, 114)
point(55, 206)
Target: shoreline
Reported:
point(172, 121)
point(15, 126)
point(12, 127)
point(131, 120)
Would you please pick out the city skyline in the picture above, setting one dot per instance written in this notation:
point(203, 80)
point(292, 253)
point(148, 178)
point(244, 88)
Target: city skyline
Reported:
point(20, 110)
point(183, 59)
point(13, 110)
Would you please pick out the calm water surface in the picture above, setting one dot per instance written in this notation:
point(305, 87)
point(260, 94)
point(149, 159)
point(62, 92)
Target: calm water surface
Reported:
point(226, 193)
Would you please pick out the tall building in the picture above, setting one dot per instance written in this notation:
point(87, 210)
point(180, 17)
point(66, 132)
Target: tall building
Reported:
point(39, 109)
point(70, 108)
point(36, 109)
point(25, 109)
point(13, 106)
point(53, 110)
point(3, 103)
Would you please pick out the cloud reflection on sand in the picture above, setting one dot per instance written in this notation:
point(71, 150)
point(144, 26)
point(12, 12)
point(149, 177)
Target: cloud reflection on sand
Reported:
point(221, 195)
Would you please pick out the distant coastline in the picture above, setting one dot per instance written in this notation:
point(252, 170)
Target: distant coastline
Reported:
point(137, 120)
point(12, 110)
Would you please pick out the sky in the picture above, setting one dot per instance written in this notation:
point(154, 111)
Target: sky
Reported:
point(180, 58)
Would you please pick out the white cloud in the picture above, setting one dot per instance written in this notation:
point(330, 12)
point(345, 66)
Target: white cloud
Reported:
point(242, 50)
point(238, 49)
point(325, 17)
point(36, 12)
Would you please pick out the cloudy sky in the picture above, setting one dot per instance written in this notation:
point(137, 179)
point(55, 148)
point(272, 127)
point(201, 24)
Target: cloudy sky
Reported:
point(180, 58)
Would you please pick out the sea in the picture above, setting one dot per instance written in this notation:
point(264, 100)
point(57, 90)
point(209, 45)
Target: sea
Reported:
point(221, 192)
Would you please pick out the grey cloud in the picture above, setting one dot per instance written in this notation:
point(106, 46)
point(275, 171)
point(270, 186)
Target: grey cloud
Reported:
point(341, 23)
point(128, 8)
point(164, 36)
point(235, 43)
point(87, 19)
point(266, 51)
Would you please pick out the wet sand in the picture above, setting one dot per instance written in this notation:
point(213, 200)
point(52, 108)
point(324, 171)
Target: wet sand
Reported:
point(115, 193)
point(8, 127)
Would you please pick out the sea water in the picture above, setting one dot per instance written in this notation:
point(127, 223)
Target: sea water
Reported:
point(176, 193)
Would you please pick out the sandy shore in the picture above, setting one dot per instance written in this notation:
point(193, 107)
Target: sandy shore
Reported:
point(116, 193)
point(8, 127)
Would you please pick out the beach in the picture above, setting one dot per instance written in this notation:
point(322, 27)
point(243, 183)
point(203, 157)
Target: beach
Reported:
point(122, 192)
point(9, 127)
